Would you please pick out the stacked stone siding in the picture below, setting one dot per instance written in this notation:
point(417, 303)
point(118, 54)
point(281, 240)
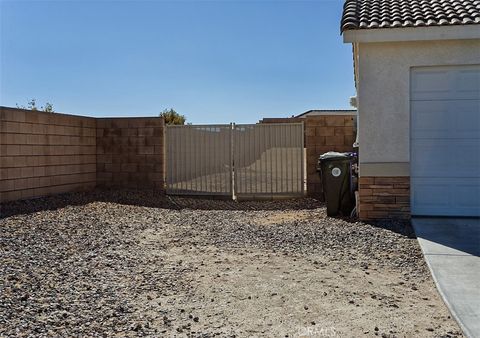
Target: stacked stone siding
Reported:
point(384, 198)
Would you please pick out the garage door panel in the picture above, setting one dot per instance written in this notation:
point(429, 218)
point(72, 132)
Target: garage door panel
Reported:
point(431, 84)
point(453, 197)
point(446, 119)
point(430, 119)
point(467, 195)
point(445, 158)
point(427, 193)
point(467, 84)
point(466, 123)
point(445, 141)
point(428, 158)
point(446, 83)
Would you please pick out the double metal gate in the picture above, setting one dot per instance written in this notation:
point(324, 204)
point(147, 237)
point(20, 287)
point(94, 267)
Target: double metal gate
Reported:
point(241, 161)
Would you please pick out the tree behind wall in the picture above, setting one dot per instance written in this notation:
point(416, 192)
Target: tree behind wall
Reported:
point(32, 105)
point(172, 117)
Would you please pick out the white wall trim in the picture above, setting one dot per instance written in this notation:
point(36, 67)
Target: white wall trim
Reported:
point(460, 32)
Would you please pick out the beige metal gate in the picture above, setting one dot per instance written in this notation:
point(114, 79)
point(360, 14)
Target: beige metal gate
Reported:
point(241, 161)
point(199, 160)
point(268, 160)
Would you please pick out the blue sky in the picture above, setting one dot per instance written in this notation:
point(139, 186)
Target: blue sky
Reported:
point(214, 61)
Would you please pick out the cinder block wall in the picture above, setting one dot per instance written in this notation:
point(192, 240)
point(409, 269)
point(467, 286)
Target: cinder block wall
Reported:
point(45, 153)
point(130, 153)
point(322, 134)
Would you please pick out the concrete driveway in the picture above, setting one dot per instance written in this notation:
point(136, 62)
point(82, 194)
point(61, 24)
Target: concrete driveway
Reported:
point(452, 250)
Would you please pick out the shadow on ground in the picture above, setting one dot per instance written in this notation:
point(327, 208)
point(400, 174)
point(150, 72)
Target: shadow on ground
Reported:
point(150, 199)
point(461, 235)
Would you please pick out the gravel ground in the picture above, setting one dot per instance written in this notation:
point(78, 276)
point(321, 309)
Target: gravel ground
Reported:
point(134, 264)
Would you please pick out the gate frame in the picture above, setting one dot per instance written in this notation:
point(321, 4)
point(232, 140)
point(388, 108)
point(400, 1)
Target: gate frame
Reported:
point(233, 182)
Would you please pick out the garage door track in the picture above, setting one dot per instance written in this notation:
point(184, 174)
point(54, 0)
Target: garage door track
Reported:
point(452, 250)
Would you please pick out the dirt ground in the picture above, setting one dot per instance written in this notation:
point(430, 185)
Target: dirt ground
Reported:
point(133, 264)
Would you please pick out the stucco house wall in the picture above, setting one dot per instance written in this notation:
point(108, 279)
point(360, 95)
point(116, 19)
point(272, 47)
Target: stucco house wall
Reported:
point(394, 43)
point(384, 96)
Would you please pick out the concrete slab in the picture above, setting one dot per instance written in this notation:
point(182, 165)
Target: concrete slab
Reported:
point(452, 251)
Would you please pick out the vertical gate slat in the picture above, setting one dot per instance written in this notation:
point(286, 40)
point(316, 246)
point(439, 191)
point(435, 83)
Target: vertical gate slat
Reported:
point(261, 157)
point(297, 165)
point(258, 154)
point(265, 158)
point(277, 147)
point(187, 161)
point(231, 154)
point(210, 160)
point(215, 166)
point(184, 143)
point(253, 159)
point(247, 154)
point(270, 137)
point(302, 161)
point(289, 137)
point(204, 160)
point(201, 160)
point(282, 146)
point(198, 159)
point(168, 163)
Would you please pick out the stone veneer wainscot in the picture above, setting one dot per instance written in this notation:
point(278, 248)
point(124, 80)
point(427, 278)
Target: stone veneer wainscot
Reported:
point(384, 198)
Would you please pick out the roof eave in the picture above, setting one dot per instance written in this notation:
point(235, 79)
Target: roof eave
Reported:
point(458, 32)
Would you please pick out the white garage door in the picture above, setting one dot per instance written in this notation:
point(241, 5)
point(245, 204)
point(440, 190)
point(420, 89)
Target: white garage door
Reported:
point(445, 141)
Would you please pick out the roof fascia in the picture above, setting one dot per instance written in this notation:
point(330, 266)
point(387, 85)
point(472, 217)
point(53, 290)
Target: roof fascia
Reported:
point(460, 32)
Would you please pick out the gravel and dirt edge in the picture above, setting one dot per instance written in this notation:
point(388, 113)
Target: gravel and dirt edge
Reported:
point(137, 264)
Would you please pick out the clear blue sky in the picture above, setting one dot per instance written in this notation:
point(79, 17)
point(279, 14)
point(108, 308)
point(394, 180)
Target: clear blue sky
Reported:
point(214, 61)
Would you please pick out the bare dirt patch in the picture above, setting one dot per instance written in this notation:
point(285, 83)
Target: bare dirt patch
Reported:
point(283, 217)
point(140, 265)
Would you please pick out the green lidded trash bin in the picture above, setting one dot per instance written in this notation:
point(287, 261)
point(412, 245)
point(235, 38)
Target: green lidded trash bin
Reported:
point(335, 169)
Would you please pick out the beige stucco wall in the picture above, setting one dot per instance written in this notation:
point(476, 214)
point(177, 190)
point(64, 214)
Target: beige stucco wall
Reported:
point(383, 87)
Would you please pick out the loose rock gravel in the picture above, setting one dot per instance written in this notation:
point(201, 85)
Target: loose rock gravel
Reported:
point(137, 264)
